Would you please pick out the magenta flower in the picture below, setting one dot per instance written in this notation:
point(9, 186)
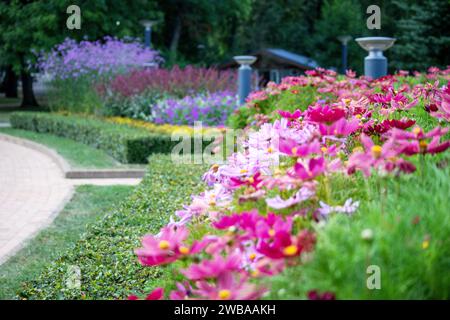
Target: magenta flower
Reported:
point(324, 114)
point(417, 141)
point(166, 248)
point(229, 286)
point(290, 116)
point(293, 149)
point(383, 157)
point(314, 168)
point(218, 265)
point(156, 294)
point(283, 245)
point(340, 128)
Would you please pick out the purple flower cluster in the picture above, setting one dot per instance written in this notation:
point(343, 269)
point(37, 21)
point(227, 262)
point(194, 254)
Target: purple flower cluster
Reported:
point(71, 60)
point(211, 109)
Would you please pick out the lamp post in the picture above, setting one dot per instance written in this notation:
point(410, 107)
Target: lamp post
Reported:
point(244, 76)
point(148, 31)
point(375, 64)
point(344, 41)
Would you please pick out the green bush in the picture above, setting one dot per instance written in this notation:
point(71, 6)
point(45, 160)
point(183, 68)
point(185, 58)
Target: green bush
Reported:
point(125, 143)
point(105, 254)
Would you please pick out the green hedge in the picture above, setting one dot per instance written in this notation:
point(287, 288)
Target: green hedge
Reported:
point(122, 142)
point(109, 267)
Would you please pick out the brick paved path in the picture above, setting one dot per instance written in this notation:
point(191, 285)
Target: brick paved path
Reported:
point(32, 191)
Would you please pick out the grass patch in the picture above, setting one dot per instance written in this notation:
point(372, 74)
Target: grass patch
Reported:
point(77, 154)
point(105, 254)
point(88, 204)
point(410, 244)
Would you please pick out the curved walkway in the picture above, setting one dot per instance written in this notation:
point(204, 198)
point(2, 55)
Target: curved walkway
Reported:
point(32, 191)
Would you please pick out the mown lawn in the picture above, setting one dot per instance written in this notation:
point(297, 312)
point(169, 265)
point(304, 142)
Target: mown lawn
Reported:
point(89, 204)
point(77, 154)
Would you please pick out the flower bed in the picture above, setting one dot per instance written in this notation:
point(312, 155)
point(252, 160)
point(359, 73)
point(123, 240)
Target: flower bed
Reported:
point(146, 94)
point(259, 217)
point(75, 69)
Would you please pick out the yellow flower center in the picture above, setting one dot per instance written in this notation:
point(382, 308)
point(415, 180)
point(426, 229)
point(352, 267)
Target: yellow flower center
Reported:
point(250, 180)
point(252, 256)
point(423, 144)
point(215, 167)
point(269, 150)
point(184, 250)
point(243, 171)
point(255, 273)
point(271, 232)
point(358, 116)
point(290, 250)
point(212, 203)
point(164, 244)
point(346, 100)
point(324, 149)
point(224, 294)
point(416, 130)
point(376, 151)
point(294, 150)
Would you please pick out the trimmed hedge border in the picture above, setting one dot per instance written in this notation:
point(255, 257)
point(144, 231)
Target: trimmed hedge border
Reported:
point(122, 142)
point(105, 253)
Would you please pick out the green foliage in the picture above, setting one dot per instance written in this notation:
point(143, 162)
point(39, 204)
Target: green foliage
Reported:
point(290, 100)
point(86, 207)
point(122, 142)
point(109, 267)
point(411, 243)
point(74, 95)
point(338, 18)
point(30, 26)
point(422, 30)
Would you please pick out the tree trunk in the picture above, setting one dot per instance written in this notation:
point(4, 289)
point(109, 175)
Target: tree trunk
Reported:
point(28, 99)
point(10, 83)
point(175, 39)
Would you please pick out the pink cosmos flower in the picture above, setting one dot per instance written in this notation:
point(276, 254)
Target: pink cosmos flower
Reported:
point(314, 168)
point(278, 203)
point(416, 142)
point(292, 148)
point(383, 157)
point(325, 114)
point(156, 294)
point(290, 116)
point(166, 248)
point(228, 286)
point(252, 181)
point(340, 128)
point(218, 265)
point(283, 245)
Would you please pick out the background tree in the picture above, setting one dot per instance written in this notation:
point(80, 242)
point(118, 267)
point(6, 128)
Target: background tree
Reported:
point(423, 34)
point(28, 27)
